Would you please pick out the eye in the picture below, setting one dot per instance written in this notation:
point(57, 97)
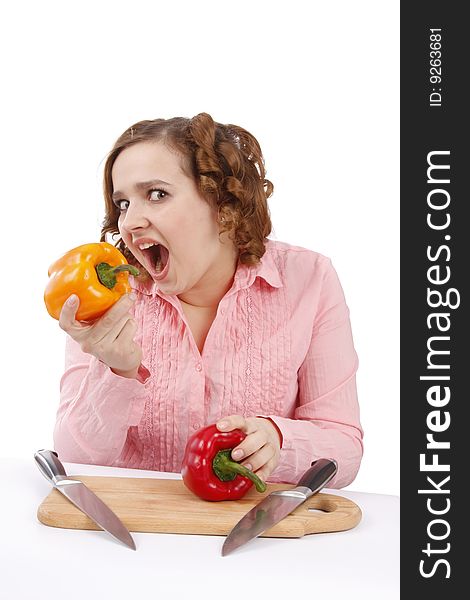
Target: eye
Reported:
point(121, 204)
point(156, 194)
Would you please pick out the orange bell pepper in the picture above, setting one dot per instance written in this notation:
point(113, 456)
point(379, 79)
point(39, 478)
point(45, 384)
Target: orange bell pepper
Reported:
point(97, 273)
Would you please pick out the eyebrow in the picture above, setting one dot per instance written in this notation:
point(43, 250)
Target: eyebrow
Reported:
point(142, 185)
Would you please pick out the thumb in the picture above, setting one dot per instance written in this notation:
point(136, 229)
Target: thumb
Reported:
point(68, 312)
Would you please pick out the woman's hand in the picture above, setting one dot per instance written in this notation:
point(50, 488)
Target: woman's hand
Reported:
point(261, 448)
point(110, 338)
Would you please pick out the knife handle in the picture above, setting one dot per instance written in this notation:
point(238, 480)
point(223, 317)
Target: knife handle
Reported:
point(319, 474)
point(50, 465)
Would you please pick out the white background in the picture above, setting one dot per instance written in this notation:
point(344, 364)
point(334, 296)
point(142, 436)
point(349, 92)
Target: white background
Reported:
point(315, 82)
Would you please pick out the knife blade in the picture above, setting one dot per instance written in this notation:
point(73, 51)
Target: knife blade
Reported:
point(80, 495)
point(278, 505)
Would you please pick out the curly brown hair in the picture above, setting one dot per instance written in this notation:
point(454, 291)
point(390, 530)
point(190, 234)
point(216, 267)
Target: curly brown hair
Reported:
point(227, 164)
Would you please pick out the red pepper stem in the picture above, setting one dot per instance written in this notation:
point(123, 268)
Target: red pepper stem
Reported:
point(107, 274)
point(227, 469)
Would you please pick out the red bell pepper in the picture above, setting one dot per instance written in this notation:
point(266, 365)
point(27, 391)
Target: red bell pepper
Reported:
point(210, 473)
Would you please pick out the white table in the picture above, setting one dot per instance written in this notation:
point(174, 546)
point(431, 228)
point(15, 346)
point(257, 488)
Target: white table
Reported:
point(39, 562)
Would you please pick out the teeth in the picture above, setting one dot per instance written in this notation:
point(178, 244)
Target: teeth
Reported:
point(146, 245)
point(158, 260)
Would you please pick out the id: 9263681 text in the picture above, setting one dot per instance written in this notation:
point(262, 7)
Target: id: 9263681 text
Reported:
point(435, 68)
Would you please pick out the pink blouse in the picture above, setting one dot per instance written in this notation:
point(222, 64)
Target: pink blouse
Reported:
point(280, 346)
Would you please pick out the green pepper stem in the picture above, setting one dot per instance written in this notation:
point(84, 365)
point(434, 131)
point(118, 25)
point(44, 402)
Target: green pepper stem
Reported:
point(107, 274)
point(227, 469)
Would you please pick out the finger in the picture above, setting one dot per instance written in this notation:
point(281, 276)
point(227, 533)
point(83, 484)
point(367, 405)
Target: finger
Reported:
point(124, 349)
point(253, 442)
point(111, 318)
point(104, 346)
point(116, 330)
point(68, 312)
point(126, 336)
point(267, 469)
point(260, 458)
point(126, 341)
point(236, 422)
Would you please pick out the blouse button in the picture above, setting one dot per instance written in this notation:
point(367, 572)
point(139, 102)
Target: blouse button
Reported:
point(222, 312)
point(198, 367)
point(196, 426)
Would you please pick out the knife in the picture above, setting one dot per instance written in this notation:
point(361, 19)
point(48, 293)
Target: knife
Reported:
point(278, 505)
point(83, 498)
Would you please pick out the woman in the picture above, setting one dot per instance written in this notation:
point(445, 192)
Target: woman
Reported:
point(223, 326)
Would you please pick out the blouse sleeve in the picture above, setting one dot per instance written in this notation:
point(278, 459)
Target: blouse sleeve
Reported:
point(96, 408)
point(326, 420)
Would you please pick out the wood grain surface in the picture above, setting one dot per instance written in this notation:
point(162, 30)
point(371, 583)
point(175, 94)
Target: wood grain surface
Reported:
point(167, 506)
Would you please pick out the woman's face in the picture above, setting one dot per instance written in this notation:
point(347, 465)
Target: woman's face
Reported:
point(165, 222)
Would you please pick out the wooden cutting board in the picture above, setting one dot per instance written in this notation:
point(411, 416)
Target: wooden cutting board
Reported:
point(167, 506)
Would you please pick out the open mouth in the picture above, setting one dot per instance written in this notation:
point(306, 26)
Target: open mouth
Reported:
point(156, 257)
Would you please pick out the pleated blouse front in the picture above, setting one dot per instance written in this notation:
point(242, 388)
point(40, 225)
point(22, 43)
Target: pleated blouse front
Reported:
point(279, 346)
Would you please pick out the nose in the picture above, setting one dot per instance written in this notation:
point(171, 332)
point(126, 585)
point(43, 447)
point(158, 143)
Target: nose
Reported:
point(134, 217)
